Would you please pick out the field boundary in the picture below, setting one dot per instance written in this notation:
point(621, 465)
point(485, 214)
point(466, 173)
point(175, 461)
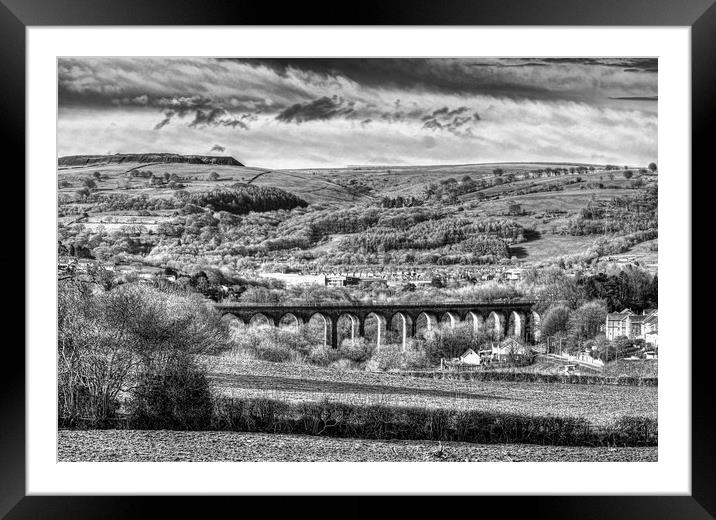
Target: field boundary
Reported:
point(529, 377)
point(343, 420)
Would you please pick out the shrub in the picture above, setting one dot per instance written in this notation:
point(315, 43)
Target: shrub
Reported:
point(416, 359)
point(358, 350)
point(386, 357)
point(342, 364)
point(320, 356)
point(633, 430)
point(276, 353)
point(179, 398)
point(338, 419)
point(273, 344)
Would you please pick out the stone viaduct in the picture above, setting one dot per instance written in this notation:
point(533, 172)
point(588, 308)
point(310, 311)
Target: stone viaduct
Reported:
point(500, 318)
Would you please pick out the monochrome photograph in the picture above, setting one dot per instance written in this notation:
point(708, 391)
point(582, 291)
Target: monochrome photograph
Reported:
point(357, 259)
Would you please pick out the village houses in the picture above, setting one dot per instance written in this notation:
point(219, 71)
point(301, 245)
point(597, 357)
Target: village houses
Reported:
point(627, 323)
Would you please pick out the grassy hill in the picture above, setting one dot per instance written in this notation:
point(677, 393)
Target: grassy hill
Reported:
point(547, 196)
point(329, 185)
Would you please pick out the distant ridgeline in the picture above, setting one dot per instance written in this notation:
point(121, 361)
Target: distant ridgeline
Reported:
point(89, 160)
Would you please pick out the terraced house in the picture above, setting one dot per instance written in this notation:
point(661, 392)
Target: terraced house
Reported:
point(627, 323)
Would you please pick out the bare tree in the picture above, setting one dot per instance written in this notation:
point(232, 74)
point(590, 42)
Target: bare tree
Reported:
point(109, 340)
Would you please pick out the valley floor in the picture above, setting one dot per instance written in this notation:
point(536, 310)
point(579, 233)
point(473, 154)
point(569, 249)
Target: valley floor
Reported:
point(175, 446)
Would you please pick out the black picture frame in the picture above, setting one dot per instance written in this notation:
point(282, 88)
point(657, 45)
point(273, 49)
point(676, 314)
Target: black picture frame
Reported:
point(699, 15)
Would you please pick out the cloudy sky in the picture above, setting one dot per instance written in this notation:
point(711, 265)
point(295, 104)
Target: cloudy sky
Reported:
point(297, 113)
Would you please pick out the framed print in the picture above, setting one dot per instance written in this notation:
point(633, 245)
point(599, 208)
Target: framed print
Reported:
point(396, 257)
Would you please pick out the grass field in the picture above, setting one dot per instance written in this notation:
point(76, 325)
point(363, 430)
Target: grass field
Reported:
point(600, 405)
point(176, 446)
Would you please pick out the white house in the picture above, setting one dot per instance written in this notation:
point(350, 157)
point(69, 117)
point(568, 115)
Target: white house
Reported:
point(470, 357)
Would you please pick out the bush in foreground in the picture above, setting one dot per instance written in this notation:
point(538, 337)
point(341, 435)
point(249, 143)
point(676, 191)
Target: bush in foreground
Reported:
point(179, 398)
point(391, 358)
point(108, 340)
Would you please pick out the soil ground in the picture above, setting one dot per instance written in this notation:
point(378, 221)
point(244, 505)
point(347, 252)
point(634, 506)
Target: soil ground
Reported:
point(176, 446)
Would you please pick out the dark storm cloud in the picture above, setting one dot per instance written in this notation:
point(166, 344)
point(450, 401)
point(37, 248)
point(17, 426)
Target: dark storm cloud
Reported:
point(147, 82)
point(397, 115)
point(451, 109)
point(203, 111)
point(221, 91)
point(439, 75)
point(177, 83)
point(445, 112)
point(320, 109)
point(638, 98)
point(206, 84)
point(451, 121)
point(511, 65)
point(504, 77)
point(629, 64)
point(182, 105)
point(218, 117)
point(164, 122)
point(172, 87)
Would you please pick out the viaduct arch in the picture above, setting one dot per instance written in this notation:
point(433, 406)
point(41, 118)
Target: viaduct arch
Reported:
point(500, 318)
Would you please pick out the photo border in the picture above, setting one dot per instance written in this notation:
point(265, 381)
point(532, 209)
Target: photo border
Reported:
point(16, 15)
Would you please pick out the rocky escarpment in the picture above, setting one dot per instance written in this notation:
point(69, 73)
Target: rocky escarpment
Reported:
point(119, 158)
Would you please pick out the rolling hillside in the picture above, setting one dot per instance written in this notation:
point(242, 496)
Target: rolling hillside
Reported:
point(331, 185)
point(546, 200)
